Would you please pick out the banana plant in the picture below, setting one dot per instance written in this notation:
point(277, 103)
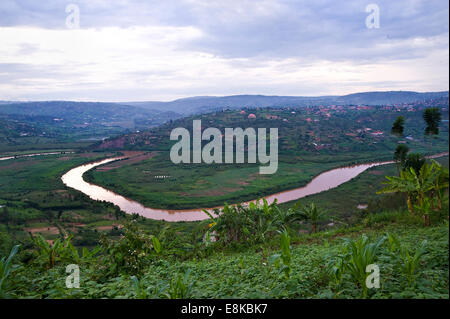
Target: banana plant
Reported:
point(416, 185)
point(441, 183)
point(313, 214)
point(424, 208)
point(51, 252)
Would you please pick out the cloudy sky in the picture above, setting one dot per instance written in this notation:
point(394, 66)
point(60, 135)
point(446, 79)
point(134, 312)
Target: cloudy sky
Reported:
point(136, 50)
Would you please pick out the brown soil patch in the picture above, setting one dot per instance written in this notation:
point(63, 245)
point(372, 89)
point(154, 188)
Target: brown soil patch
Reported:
point(47, 230)
point(109, 217)
point(109, 227)
point(74, 227)
point(76, 224)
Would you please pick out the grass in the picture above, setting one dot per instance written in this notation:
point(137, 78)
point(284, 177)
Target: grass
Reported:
point(360, 190)
point(201, 185)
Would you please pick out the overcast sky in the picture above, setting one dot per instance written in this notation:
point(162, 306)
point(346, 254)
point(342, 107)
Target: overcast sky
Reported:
point(136, 50)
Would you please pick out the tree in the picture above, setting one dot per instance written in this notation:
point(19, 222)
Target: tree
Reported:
point(432, 116)
point(312, 213)
point(441, 183)
point(400, 156)
point(414, 161)
point(401, 184)
point(398, 126)
point(416, 185)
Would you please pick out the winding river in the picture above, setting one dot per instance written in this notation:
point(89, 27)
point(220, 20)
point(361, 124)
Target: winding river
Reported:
point(322, 182)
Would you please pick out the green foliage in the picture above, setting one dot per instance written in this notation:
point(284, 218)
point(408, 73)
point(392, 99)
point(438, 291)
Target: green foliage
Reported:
point(284, 256)
point(354, 259)
point(400, 156)
point(140, 290)
point(421, 187)
point(6, 268)
point(414, 161)
point(180, 287)
point(49, 253)
point(131, 253)
point(398, 126)
point(432, 117)
point(313, 214)
point(254, 223)
point(406, 260)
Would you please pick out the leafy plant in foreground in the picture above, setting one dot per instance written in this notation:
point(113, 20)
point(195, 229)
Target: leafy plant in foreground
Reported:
point(180, 287)
point(284, 257)
point(50, 253)
point(6, 269)
point(354, 259)
point(418, 186)
point(407, 260)
point(131, 253)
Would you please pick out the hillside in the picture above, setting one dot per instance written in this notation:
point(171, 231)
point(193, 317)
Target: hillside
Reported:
point(88, 112)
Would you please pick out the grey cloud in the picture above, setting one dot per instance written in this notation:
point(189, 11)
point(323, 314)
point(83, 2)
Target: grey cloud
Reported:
point(323, 29)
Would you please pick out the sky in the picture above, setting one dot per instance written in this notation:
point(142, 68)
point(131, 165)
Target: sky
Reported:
point(141, 50)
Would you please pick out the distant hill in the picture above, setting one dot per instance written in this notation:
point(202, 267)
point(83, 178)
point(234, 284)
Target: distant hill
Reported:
point(204, 104)
point(87, 112)
point(50, 122)
point(208, 103)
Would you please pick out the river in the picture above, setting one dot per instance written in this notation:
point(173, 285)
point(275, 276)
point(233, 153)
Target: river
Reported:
point(322, 182)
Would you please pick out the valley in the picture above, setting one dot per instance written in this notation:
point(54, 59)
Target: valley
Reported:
point(155, 197)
